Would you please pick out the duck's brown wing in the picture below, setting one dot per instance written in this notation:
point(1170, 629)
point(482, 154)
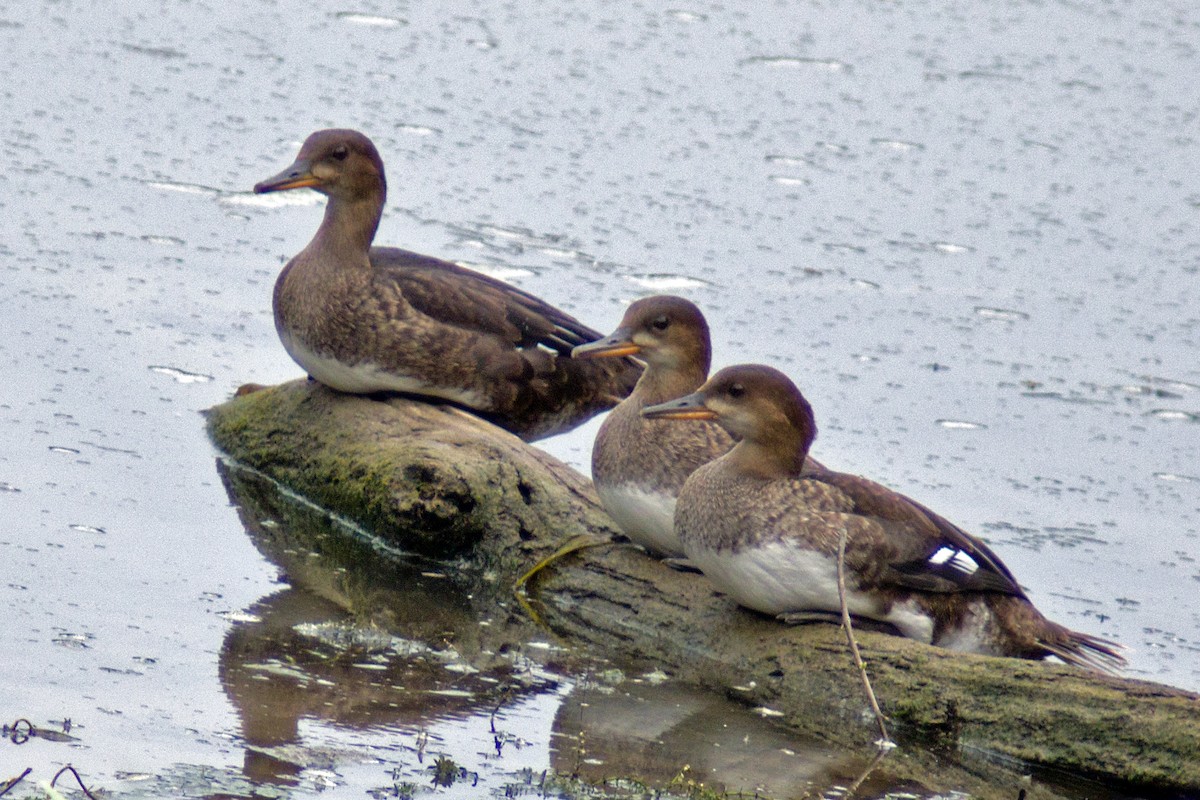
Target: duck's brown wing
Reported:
point(540, 390)
point(467, 299)
point(926, 551)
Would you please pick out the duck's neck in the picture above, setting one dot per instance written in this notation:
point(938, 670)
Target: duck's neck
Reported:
point(349, 225)
point(778, 458)
point(659, 384)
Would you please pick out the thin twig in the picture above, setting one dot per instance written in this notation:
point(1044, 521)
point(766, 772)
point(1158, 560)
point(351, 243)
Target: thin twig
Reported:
point(884, 749)
point(15, 781)
point(885, 740)
point(17, 735)
point(79, 780)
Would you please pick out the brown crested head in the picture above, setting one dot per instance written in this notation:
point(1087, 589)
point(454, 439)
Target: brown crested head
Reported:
point(337, 162)
point(665, 331)
point(760, 404)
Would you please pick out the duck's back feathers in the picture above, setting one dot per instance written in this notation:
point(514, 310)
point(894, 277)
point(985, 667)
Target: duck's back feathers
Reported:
point(539, 390)
point(932, 553)
point(473, 301)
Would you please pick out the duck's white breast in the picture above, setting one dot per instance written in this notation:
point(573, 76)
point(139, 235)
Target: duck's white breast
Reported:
point(780, 577)
point(366, 377)
point(646, 516)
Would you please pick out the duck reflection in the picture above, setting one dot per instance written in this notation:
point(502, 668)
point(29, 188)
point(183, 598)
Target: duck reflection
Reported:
point(667, 734)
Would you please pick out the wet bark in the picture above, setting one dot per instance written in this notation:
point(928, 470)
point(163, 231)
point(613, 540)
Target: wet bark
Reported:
point(438, 482)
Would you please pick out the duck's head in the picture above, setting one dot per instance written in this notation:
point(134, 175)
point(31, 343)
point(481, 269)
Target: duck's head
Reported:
point(665, 331)
point(340, 163)
point(756, 403)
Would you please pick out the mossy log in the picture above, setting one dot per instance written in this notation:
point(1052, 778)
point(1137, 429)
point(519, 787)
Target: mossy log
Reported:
point(436, 481)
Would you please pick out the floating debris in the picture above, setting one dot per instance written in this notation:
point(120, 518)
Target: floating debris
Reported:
point(897, 144)
point(272, 199)
point(75, 641)
point(167, 240)
point(763, 711)
point(1175, 478)
point(369, 20)
point(789, 180)
point(417, 130)
point(1174, 415)
point(656, 677)
point(961, 425)
point(183, 188)
point(181, 375)
point(686, 16)
point(827, 64)
point(987, 312)
point(665, 281)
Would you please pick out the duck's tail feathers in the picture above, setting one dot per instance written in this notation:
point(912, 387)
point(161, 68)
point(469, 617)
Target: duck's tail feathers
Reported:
point(1086, 651)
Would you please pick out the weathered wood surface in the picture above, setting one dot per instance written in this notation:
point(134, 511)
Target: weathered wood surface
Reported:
point(438, 482)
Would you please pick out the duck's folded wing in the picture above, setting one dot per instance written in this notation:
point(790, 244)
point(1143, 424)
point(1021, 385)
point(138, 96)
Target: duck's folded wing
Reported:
point(457, 296)
point(925, 551)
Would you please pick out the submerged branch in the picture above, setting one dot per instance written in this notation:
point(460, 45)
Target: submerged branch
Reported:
point(435, 481)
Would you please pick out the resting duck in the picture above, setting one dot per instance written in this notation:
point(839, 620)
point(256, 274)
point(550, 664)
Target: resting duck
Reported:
point(766, 533)
point(365, 319)
point(640, 464)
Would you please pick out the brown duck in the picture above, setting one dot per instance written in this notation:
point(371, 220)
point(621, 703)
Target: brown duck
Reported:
point(640, 464)
point(365, 319)
point(767, 534)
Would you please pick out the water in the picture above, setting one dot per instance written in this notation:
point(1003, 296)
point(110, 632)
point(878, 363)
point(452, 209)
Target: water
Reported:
point(969, 233)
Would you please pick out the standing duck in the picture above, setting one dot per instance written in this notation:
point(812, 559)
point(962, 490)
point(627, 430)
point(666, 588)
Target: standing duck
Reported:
point(766, 533)
point(365, 319)
point(640, 464)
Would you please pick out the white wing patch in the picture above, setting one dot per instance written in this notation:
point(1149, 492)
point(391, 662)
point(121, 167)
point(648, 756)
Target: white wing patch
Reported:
point(955, 559)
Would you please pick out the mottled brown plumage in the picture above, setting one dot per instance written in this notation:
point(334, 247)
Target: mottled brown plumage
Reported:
point(767, 533)
point(366, 319)
point(639, 464)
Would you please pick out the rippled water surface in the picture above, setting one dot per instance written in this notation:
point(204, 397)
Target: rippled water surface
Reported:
point(970, 232)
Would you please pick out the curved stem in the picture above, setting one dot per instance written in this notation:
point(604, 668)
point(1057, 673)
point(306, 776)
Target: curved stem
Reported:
point(885, 741)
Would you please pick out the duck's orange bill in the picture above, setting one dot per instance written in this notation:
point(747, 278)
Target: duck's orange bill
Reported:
point(297, 176)
point(684, 413)
point(619, 344)
point(300, 183)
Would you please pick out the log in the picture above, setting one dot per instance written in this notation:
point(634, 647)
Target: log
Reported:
point(438, 482)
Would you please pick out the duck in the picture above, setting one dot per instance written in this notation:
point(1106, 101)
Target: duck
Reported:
point(368, 320)
point(767, 533)
point(639, 464)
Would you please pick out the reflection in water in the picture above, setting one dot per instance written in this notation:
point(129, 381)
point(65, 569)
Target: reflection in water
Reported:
point(360, 641)
point(298, 663)
point(666, 734)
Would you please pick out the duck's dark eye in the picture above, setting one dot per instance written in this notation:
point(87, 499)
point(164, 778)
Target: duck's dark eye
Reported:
point(341, 152)
point(661, 323)
point(736, 390)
